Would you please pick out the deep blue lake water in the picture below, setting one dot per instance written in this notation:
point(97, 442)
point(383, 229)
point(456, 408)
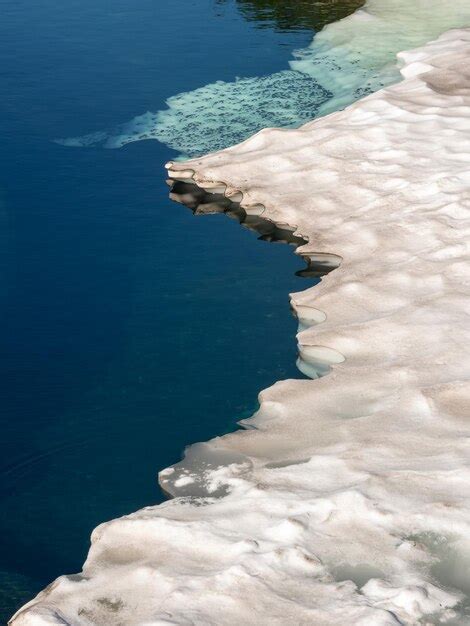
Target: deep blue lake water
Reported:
point(120, 340)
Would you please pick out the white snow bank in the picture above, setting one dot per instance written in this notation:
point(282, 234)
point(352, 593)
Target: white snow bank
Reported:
point(347, 60)
point(348, 496)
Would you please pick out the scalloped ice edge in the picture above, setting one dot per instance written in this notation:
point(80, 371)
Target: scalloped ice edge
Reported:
point(313, 361)
point(347, 498)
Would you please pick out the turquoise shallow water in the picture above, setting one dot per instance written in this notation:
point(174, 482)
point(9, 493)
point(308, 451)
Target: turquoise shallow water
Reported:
point(121, 342)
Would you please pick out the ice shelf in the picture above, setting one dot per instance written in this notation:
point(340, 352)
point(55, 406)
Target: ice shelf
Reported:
point(346, 501)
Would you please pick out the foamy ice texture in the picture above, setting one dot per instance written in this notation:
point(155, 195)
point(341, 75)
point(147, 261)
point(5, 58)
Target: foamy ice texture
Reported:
point(347, 60)
point(347, 499)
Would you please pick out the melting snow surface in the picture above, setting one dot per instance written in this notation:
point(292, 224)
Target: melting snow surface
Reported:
point(348, 497)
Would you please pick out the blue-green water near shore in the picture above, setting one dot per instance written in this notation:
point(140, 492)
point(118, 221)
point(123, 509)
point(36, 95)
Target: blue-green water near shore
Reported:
point(121, 341)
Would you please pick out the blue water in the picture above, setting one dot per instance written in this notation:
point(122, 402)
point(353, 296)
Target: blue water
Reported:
point(129, 327)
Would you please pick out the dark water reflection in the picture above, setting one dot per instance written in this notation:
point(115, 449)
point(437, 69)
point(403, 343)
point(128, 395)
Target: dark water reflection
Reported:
point(298, 14)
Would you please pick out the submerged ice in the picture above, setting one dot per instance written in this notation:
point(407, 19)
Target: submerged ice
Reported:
point(347, 60)
point(220, 114)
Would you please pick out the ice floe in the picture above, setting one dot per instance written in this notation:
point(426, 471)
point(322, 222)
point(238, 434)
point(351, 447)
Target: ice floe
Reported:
point(347, 499)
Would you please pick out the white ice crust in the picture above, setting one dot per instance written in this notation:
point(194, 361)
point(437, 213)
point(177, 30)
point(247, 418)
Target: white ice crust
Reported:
point(348, 497)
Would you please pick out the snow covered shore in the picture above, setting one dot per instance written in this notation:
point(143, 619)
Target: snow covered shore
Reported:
point(348, 497)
